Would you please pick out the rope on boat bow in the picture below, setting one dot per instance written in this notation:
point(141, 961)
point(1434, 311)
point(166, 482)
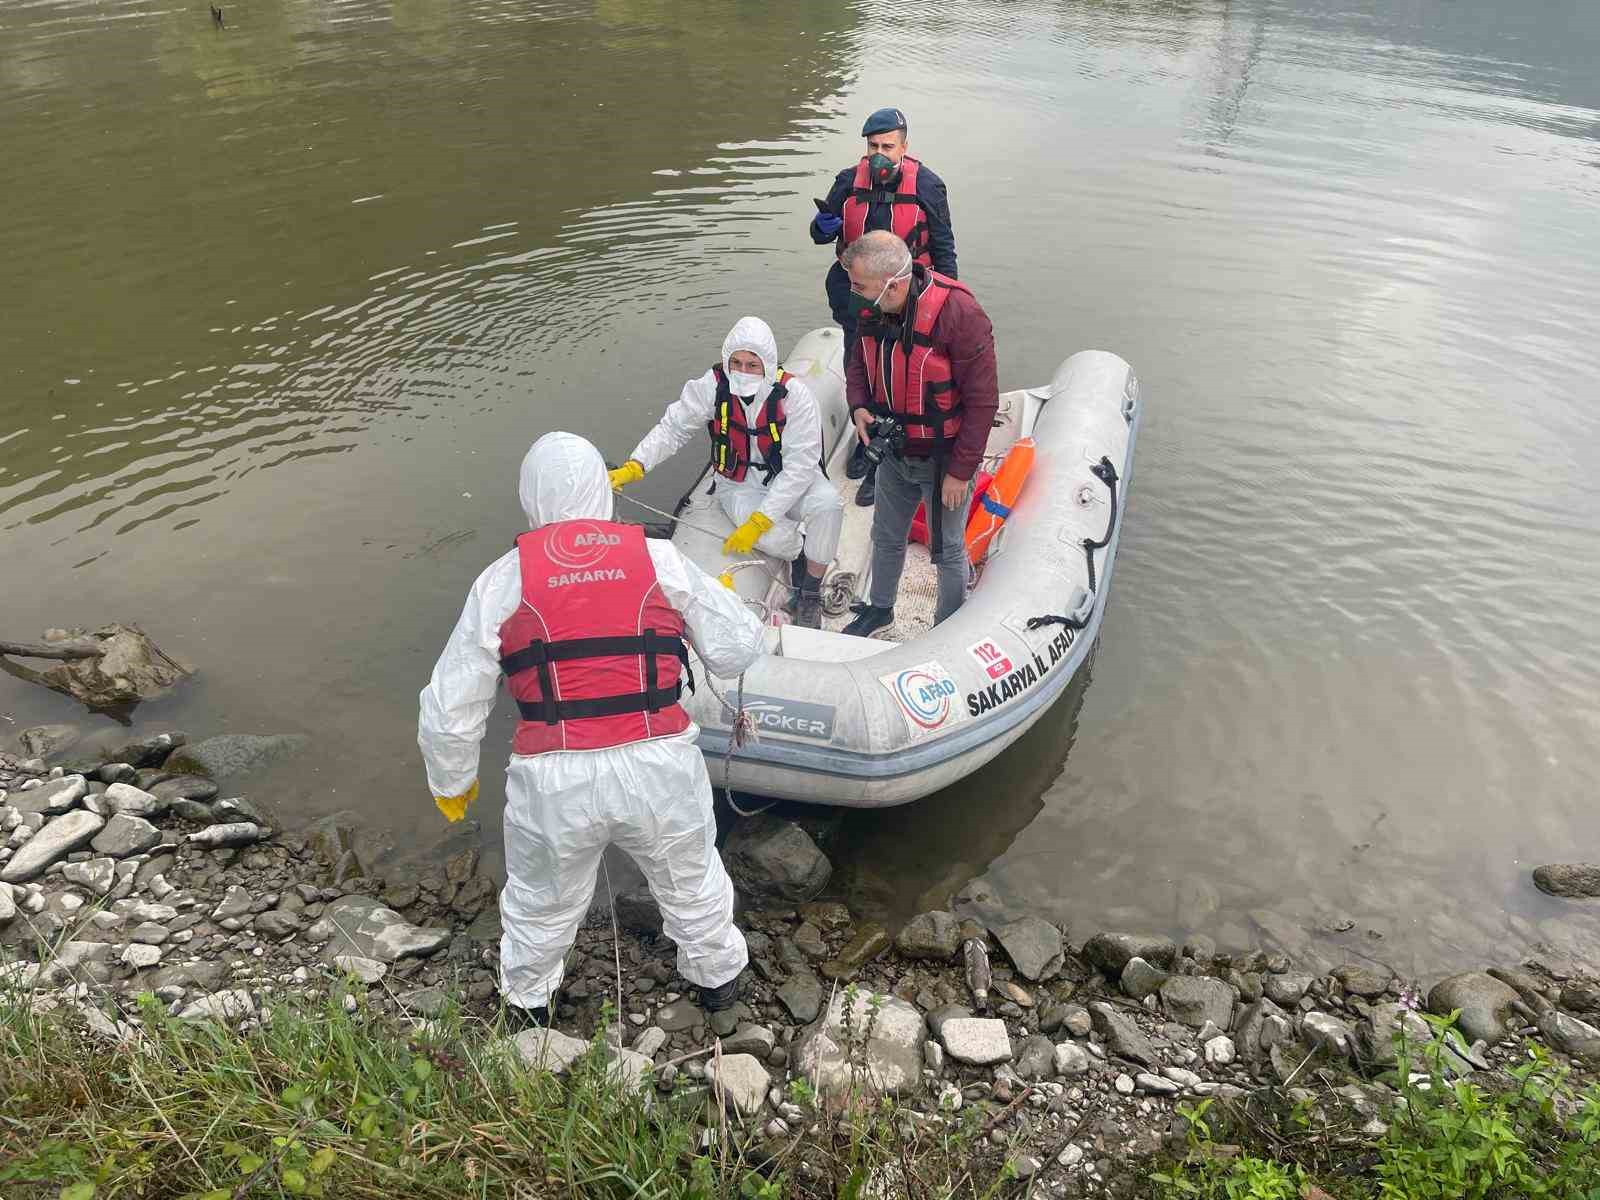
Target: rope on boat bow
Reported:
point(1106, 473)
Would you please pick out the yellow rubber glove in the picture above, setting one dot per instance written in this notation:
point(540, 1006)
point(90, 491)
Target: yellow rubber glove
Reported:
point(743, 539)
point(726, 580)
point(455, 807)
point(629, 472)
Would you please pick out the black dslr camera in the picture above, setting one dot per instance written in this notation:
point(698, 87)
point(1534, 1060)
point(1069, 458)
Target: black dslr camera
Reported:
point(885, 436)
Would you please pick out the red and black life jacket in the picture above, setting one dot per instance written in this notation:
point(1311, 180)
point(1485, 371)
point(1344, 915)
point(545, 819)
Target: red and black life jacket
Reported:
point(731, 433)
point(910, 379)
point(594, 654)
point(906, 216)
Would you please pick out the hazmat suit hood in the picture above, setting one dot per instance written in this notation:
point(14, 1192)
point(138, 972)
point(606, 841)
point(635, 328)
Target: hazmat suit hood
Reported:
point(564, 479)
point(755, 335)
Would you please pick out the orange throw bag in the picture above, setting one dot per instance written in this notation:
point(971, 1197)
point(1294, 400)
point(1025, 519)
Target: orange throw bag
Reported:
point(997, 502)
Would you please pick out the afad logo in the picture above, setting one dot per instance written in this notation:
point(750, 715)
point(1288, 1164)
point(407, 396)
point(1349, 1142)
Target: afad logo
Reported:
point(575, 545)
point(925, 693)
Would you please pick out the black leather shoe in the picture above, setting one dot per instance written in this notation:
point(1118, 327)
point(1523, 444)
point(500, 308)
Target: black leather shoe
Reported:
point(868, 620)
point(868, 491)
point(720, 998)
point(856, 466)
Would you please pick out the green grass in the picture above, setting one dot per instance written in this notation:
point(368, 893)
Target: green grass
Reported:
point(324, 1103)
point(1535, 1136)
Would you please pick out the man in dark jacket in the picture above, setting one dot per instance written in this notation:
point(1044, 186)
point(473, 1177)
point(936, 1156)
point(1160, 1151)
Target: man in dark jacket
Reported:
point(941, 386)
point(888, 189)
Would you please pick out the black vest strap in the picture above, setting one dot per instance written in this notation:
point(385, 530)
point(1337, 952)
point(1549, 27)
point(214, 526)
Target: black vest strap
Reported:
point(538, 655)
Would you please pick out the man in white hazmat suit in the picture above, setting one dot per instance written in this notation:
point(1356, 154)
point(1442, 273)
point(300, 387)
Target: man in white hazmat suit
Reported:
point(586, 620)
point(766, 447)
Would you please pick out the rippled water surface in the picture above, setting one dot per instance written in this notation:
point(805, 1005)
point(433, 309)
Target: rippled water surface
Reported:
point(287, 300)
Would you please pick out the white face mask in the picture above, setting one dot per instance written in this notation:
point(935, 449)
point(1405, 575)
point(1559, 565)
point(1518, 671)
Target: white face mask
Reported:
point(744, 386)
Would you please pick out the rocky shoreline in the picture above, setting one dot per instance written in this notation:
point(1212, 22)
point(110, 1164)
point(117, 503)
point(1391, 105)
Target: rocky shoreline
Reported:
point(138, 875)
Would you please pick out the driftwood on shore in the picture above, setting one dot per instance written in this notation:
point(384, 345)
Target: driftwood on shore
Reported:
point(111, 669)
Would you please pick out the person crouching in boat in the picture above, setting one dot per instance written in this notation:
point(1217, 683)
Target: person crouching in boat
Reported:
point(766, 444)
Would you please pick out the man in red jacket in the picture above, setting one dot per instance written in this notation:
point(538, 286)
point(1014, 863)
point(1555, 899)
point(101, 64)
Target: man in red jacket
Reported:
point(925, 361)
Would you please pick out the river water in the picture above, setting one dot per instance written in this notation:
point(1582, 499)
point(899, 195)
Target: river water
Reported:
point(286, 301)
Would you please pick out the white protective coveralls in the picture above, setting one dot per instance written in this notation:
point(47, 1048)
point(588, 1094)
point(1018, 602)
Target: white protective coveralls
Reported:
point(800, 494)
point(652, 798)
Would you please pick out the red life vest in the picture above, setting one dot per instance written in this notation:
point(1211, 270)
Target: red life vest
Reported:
point(730, 432)
point(906, 217)
point(919, 390)
point(594, 655)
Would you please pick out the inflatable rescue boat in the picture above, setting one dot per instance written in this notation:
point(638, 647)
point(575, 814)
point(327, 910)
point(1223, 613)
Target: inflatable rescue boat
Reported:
point(870, 722)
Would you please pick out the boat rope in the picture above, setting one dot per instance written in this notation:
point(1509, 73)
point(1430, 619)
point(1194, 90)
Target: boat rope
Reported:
point(741, 730)
point(749, 562)
point(1106, 473)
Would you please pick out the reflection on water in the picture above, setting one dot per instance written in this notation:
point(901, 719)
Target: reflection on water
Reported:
point(290, 298)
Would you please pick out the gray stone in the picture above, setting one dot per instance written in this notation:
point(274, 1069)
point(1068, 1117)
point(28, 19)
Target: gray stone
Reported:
point(638, 912)
point(203, 975)
point(651, 1038)
point(98, 875)
point(679, 1016)
point(1261, 1026)
point(548, 1050)
point(933, 1056)
point(1327, 1033)
point(231, 753)
point(233, 1005)
point(365, 970)
point(427, 1002)
point(52, 798)
point(184, 787)
point(1121, 1034)
point(741, 1081)
point(8, 904)
point(125, 798)
point(1571, 1036)
point(149, 933)
point(976, 1041)
point(151, 750)
point(52, 843)
point(1111, 951)
point(1036, 1059)
point(1071, 1059)
point(1155, 1085)
point(45, 741)
point(1219, 1050)
point(278, 924)
point(1581, 996)
point(329, 838)
point(1034, 947)
point(140, 957)
point(1195, 999)
point(773, 861)
point(364, 927)
point(1485, 1004)
point(192, 811)
point(892, 1055)
point(934, 935)
point(237, 808)
point(1577, 881)
point(1285, 990)
point(116, 772)
point(630, 1069)
point(801, 994)
point(125, 835)
point(1362, 981)
point(1140, 979)
point(233, 833)
point(235, 903)
point(750, 1039)
point(808, 938)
